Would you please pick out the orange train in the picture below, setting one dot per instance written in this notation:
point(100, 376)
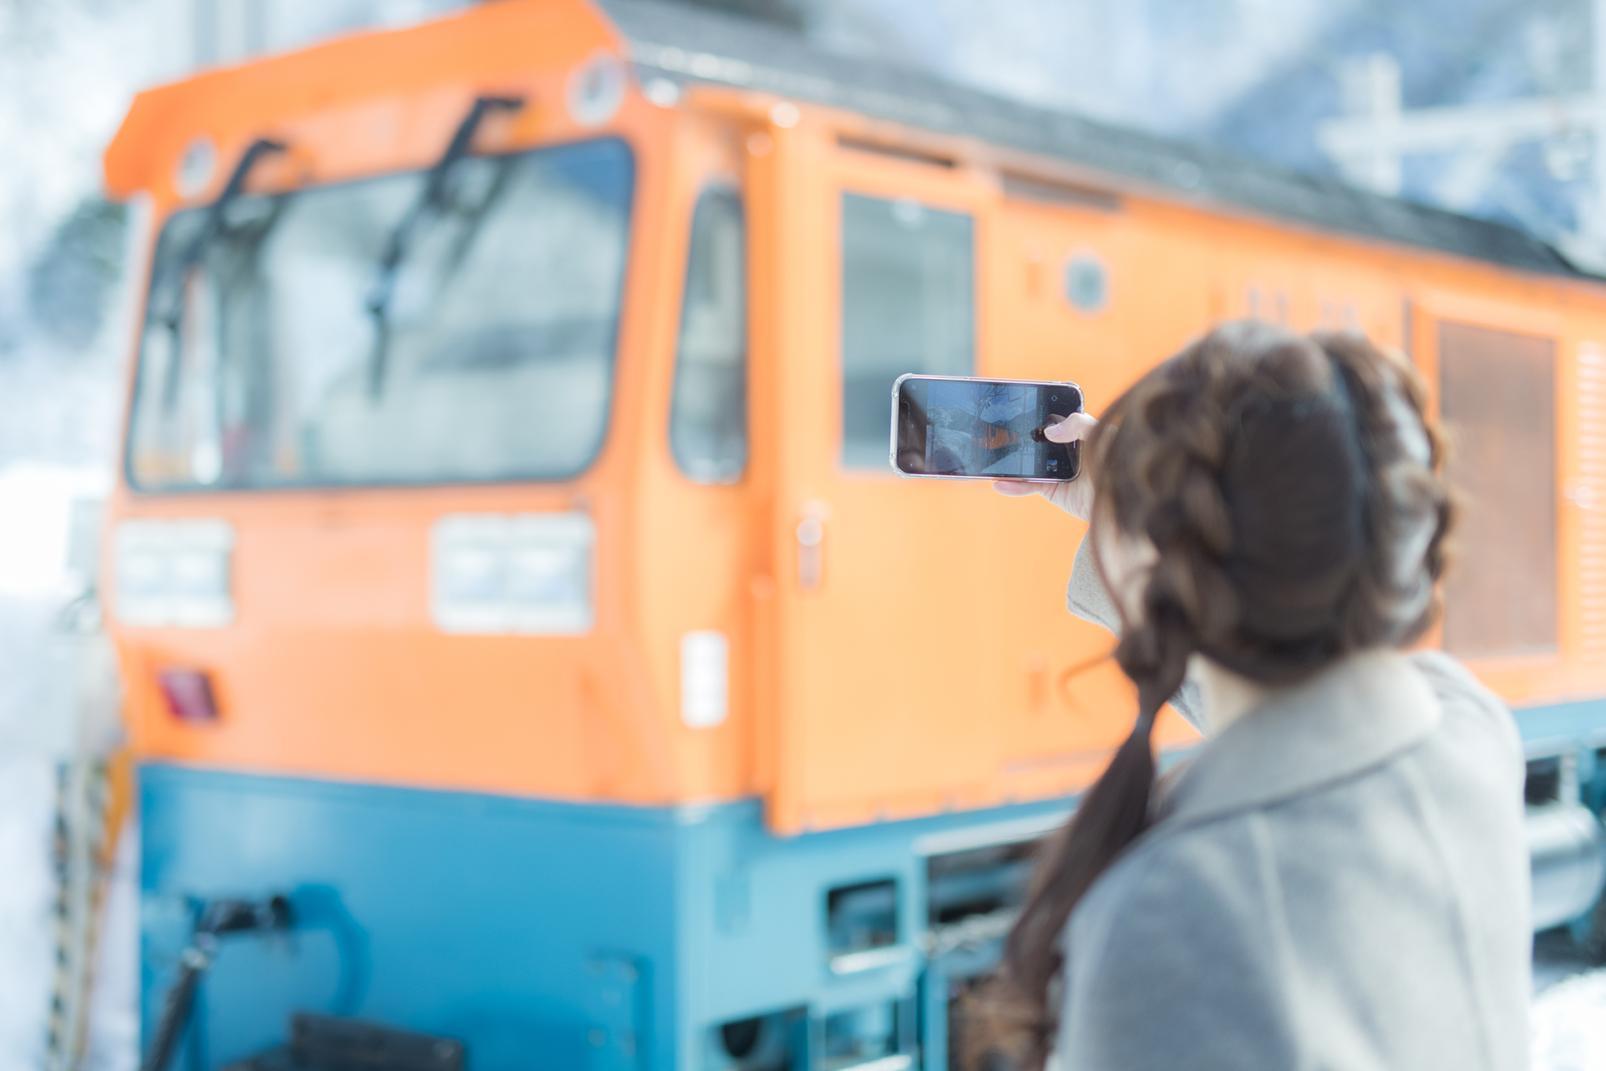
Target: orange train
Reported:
point(511, 590)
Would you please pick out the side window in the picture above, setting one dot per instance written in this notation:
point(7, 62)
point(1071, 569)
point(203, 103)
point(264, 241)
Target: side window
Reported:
point(908, 297)
point(708, 410)
point(1498, 397)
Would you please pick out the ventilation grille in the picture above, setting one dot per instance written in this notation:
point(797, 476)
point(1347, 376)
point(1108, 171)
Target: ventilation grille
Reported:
point(1590, 496)
point(1497, 393)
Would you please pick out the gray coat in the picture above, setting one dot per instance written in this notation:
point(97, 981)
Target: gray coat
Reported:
point(1339, 879)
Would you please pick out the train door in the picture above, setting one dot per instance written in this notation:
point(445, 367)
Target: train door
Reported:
point(878, 703)
point(918, 626)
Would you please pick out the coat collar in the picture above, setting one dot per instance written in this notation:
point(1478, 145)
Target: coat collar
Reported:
point(1346, 719)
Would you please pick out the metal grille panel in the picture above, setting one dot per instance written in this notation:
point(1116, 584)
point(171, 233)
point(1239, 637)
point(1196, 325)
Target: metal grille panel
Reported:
point(1589, 494)
point(1498, 397)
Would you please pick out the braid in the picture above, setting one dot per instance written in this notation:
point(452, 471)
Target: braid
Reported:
point(1185, 595)
point(1410, 510)
point(1180, 444)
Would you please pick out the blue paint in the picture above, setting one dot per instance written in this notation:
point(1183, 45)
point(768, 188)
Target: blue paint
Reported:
point(1563, 726)
point(553, 934)
point(541, 933)
point(1577, 729)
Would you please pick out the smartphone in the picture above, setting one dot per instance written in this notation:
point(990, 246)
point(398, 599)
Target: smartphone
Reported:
point(958, 427)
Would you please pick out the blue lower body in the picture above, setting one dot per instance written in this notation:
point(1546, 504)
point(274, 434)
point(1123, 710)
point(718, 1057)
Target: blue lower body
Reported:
point(547, 934)
point(574, 936)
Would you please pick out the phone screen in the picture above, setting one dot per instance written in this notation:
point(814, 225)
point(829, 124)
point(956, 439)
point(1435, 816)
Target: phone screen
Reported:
point(988, 429)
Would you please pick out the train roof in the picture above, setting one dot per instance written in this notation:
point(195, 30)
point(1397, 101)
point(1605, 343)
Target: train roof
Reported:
point(690, 45)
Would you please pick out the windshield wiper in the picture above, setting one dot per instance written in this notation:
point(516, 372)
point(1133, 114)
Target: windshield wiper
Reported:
point(172, 317)
point(431, 201)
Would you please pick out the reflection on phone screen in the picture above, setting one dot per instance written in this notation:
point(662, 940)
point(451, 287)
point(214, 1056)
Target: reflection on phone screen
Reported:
point(972, 428)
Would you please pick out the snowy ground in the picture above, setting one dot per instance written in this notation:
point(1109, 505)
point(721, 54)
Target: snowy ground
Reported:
point(1569, 1009)
point(25, 803)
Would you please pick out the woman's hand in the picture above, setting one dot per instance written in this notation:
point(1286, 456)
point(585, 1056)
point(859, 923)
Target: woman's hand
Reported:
point(1073, 496)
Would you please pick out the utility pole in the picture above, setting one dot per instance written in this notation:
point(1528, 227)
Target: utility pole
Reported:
point(1370, 141)
point(1593, 216)
point(1371, 92)
point(227, 31)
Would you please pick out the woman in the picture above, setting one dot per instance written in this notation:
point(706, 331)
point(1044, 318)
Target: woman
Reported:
point(1338, 877)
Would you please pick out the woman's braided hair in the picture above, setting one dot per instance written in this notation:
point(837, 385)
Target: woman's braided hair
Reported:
point(1291, 489)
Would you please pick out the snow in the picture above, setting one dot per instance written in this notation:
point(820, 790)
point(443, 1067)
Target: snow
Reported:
point(26, 787)
point(32, 554)
point(1569, 1024)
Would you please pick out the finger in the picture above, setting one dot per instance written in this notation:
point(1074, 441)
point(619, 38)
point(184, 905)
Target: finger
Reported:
point(1073, 428)
point(1014, 488)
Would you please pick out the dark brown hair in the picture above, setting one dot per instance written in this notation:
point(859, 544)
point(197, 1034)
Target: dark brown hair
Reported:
point(1290, 487)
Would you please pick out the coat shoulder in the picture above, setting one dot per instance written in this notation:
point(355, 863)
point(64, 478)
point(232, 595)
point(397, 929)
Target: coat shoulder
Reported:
point(1470, 708)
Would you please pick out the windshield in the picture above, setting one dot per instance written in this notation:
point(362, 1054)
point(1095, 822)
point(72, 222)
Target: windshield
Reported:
point(264, 367)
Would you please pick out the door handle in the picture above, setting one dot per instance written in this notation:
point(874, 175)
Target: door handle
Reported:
point(810, 534)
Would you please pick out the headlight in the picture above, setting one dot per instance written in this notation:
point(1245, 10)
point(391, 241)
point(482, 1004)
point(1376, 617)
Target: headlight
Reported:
point(522, 573)
point(174, 574)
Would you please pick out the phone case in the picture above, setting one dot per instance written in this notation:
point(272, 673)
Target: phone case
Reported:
point(892, 442)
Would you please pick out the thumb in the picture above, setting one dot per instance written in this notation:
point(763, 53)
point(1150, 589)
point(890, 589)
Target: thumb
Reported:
point(1073, 428)
point(1014, 488)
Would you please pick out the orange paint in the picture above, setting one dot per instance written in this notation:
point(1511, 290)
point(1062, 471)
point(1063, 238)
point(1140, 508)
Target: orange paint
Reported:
point(916, 658)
